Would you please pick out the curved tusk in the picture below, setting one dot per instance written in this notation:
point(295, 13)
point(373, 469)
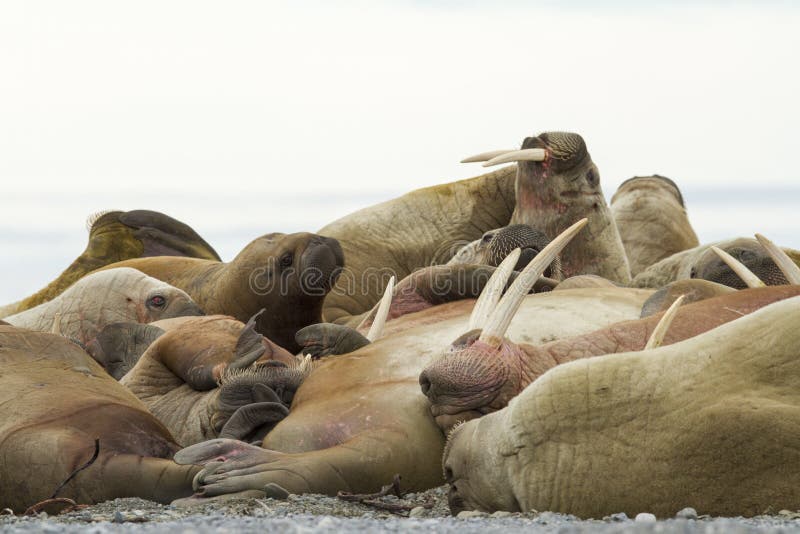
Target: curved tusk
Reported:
point(789, 268)
point(56, 328)
point(486, 156)
point(657, 337)
point(497, 324)
point(379, 322)
point(739, 268)
point(487, 301)
point(526, 154)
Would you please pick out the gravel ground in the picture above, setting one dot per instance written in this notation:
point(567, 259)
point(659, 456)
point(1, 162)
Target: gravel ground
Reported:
point(318, 513)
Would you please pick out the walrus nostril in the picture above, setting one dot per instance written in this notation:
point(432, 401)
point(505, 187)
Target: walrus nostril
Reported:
point(425, 384)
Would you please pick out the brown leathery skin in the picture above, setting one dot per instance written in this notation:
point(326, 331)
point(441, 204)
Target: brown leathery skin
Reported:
point(118, 235)
point(57, 401)
point(257, 279)
point(472, 378)
point(692, 290)
point(652, 220)
point(710, 422)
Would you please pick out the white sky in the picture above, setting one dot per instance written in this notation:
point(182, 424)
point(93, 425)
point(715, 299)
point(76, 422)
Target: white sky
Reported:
point(248, 117)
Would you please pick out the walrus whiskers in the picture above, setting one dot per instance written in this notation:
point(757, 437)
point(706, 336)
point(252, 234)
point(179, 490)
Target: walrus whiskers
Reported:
point(657, 337)
point(747, 276)
point(496, 326)
point(490, 296)
point(526, 154)
point(781, 259)
point(486, 156)
point(376, 330)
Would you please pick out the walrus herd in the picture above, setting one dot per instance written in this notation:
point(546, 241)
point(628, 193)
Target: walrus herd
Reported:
point(512, 335)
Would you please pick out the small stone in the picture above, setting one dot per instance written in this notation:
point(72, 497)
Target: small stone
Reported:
point(274, 491)
point(502, 513)
point(687, 513)
point(417, 511)
point(118, 518)
point(469, 514)
point(621, 516)
point(644, 517)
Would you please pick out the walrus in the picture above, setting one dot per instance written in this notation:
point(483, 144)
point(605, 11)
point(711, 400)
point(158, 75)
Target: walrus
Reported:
point(651, 217)
point(359, 418)
point(429, 226)
point(57, 401)
point(119, 235)
point(701, 262)
point(288, 275)
point(710, 422)
point(215, 376)
point(105, 297)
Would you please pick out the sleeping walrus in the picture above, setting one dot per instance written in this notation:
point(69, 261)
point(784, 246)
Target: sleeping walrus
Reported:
point(57, 401)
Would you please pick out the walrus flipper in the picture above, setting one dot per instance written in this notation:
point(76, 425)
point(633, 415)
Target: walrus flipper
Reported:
point(326, 339)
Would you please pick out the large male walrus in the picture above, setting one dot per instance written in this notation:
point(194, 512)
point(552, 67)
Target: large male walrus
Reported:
point(120, 235)
point(215, 376)
point(360, 418)
point(56, 402)
point(652, 221)
point(712, 422)
point(105, 297)
point(287, 275)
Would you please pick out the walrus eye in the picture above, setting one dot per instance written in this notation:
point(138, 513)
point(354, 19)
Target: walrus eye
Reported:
point(286, 260)
point(156, 301)
point(487, 237)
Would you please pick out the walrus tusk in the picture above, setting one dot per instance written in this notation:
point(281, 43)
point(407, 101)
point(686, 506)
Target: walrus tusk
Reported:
point(56, 328)
point(747, 276)
point(496, 326)
point(789, 268)
point(486, 156)
point(657, 337)
point(379, 322)
point(526, 154)
point(491, 294)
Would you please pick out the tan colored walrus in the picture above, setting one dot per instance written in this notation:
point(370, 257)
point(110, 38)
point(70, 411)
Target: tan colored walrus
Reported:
point(120, 235)
point(287, 275)
point(106, 297)
point(56, 402)
point(712, 422)
point(652, 221)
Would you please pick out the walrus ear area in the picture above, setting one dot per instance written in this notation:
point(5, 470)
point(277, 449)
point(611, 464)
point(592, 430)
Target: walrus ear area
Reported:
point(162, 235)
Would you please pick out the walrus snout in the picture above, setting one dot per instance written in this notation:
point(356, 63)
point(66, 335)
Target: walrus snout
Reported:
point(321, 263)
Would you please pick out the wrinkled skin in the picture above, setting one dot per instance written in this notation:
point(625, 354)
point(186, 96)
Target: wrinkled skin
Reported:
point(562, 189)
point(360, 418)
point(56, 402)
point(106, 297)
point(472, 378)
point(701, 262)
point(288, 275)
point(118, 346)
point(710, 422)
point(493, 247)
point(214, 376)
point(120, 235)
point(651, 219)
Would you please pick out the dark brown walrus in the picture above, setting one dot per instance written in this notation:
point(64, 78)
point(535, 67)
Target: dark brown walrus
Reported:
point(56, 402)
point(120, 235)
point(287, 275)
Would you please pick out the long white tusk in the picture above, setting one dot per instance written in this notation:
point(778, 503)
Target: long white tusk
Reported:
point(379, 322)
point(747, 276)
point(657, 337)
point(497, 324)
point(486, 156)
point(789, 268)
point(56, 328)
point(491, 294)
point(526, 154)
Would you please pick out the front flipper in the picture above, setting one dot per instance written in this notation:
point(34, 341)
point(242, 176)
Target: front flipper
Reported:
point(324, 339)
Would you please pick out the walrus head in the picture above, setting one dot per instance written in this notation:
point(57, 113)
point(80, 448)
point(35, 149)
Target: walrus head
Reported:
point(289, 275)
point(481, 370)
point(748, 251)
